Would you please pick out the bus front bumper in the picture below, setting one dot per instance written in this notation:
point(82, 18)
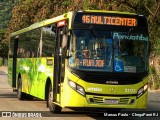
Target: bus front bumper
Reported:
point(74, 99)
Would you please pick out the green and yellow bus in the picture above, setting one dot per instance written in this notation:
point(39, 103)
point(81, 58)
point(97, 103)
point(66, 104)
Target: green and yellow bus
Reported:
point(82, 59)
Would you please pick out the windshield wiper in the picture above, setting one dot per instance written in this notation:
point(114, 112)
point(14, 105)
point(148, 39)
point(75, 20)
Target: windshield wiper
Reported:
point(130, 31)
point(93, 31)
point(95, 34)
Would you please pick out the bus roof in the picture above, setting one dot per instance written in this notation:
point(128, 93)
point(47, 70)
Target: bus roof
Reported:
point(40, 24)
point(114, 12)
point(62, 17)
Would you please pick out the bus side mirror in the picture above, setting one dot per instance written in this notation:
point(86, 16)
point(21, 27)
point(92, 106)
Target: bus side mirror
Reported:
point(64, 41)
point(64, 45)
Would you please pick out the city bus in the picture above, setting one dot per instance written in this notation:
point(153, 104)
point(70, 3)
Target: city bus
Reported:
point(88, 59)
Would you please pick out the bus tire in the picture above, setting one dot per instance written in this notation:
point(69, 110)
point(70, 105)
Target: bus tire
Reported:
point(52, 107)
point(29, 97)
point(20, 94)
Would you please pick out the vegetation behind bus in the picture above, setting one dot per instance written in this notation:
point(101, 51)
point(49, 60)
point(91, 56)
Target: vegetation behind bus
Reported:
point(27, 12)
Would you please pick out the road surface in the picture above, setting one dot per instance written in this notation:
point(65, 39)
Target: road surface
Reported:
point(9, 102)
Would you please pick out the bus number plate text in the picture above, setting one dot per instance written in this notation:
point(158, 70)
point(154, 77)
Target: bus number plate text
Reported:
point(111, 101)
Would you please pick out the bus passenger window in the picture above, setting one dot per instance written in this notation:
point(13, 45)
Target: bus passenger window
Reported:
point(48, 41)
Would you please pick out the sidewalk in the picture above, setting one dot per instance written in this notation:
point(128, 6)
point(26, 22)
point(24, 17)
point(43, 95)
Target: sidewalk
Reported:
point(154, 96)
point(4, 86)
point(3, 70)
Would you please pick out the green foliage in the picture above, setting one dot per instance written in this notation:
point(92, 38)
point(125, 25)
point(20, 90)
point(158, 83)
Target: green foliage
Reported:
point(154, 80)
point(27, 12)
point(1, 61)
point(5, 13)
point(156, 83)
point(152, 70)
point(66, 3)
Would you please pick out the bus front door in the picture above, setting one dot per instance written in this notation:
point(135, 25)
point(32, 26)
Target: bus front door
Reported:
point(59, 60)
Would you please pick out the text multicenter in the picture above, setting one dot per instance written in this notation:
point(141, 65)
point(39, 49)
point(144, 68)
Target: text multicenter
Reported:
point(106, 20)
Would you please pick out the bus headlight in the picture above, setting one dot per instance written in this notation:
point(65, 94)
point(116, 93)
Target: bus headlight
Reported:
point(72, 84)
point(142, 90)
point(77, 87)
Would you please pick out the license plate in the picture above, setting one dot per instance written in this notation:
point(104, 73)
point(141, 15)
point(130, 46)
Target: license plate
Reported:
point(111, 101)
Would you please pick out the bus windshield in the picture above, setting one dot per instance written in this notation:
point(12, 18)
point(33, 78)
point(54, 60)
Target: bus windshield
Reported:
point(97, 50)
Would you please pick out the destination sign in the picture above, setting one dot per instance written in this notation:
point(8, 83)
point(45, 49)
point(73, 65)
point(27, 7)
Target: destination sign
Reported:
point(90, 62)
point(109, 20)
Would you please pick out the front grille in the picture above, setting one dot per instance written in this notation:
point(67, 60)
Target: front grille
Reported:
point(98, 100)
point(103, 77)
point(101, 100)
point(123, 101)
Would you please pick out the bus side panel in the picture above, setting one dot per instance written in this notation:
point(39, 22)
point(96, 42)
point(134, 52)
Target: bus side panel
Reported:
point(45, 70)
point(34, 73)
point(25, 69)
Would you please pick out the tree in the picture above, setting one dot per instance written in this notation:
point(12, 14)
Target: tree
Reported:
point(27, 12)
point(5, 13)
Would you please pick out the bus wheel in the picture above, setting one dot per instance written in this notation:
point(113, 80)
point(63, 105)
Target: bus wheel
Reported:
point(21, 95)
point(52, 107)
point(29, 97)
